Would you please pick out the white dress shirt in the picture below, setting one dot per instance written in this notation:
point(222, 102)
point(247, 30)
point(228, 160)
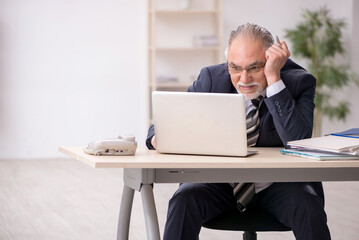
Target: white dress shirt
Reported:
point(270, 91)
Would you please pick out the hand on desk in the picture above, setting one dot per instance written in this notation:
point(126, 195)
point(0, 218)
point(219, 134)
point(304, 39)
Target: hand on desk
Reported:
point(153, 141)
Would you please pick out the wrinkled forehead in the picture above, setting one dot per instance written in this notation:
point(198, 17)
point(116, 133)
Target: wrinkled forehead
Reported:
point(245, 50)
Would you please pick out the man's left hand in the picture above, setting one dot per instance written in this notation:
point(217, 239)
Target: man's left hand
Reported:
point(276, 56)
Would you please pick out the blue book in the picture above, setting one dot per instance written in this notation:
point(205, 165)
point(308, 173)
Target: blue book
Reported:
point(318, 155)
point(351, 133)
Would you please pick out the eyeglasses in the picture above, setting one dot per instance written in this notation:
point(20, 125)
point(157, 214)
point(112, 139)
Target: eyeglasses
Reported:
point(239, 70)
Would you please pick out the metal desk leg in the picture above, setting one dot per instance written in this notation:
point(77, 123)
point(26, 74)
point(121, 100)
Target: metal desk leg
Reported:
point(149, 209)
point(125, 213)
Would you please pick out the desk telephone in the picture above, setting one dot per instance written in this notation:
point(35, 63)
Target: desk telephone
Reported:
point(123, 145)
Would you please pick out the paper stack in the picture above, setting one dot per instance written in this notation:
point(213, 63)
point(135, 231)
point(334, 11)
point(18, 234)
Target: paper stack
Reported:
point(318, 155)
point(341, 145)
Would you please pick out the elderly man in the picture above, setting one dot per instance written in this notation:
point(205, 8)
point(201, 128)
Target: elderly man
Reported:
point(281, 95)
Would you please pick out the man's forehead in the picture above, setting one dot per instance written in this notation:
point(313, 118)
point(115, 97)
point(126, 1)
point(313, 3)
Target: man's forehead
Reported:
point(245, 50)
point(246, 44)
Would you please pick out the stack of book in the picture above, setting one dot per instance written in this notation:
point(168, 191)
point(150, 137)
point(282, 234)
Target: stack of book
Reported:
point(203, 41)
point(336, 146)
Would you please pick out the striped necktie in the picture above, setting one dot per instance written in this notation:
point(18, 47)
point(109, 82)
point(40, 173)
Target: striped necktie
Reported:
point(244, 192)
point(253, 122)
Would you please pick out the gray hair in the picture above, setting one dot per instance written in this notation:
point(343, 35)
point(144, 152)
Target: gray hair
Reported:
point(255, 31)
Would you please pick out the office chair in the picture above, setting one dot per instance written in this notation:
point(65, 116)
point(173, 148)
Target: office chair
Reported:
point(250, 222)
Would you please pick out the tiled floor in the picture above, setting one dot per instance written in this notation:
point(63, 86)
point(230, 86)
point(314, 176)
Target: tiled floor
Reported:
point(65, 199)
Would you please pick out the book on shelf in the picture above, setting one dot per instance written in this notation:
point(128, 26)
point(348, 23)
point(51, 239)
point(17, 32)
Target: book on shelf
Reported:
point(201, 41)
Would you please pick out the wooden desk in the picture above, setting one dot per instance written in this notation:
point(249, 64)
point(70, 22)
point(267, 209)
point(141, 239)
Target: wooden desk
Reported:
point(148, 167)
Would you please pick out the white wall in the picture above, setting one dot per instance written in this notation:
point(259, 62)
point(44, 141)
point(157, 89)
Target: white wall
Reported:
point(285, 14)
point(350, 93)
point(75, 70)
point(71, 71)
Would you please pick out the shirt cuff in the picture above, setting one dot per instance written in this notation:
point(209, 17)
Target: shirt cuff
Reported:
point(275, 88)
point(153, 140)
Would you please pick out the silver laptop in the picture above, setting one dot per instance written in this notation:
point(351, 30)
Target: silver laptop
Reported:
point(200, 123)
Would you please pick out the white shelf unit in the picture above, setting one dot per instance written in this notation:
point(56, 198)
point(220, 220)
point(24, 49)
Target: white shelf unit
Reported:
point(176, 49)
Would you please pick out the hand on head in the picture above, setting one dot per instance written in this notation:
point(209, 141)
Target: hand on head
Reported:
point(276, 57)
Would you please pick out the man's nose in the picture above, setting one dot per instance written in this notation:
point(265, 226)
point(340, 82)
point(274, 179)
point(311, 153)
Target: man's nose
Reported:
point(244, 76)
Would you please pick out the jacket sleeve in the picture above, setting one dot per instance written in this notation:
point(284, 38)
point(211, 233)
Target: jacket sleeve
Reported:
point(214, 79)
point(203, 82)
point(292, 108)
point(150, 134)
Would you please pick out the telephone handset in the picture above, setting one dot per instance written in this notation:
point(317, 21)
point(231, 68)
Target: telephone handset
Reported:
point(123, 145)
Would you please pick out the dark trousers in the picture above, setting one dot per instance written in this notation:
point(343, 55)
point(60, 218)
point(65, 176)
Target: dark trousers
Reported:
point(297, 205)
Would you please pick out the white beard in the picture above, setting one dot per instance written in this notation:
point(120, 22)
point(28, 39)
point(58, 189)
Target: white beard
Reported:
point(247, 95)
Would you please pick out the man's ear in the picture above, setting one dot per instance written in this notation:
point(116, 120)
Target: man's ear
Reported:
point(226, 53)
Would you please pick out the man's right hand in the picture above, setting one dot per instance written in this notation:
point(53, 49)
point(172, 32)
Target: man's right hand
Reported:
point(153, 141)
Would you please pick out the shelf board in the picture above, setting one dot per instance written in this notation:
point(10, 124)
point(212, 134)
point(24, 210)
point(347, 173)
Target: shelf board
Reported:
point(186, 11)
point(194, 48)
point(174, 85)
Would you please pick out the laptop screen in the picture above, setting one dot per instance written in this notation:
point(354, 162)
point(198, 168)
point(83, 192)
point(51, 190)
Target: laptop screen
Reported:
point(200, 123)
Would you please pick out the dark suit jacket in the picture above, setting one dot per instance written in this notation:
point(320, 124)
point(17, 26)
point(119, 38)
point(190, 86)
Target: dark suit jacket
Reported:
point(285, 116)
